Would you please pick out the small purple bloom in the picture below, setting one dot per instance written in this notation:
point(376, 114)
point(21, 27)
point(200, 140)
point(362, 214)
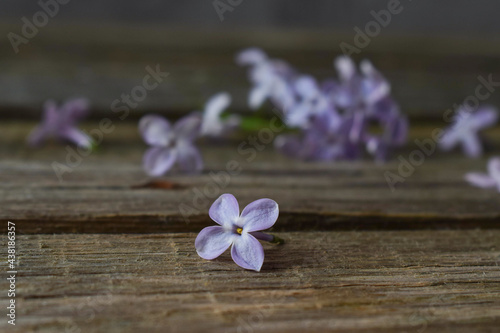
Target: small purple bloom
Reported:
point(311, 102)
point(60, 122)
point(212, 124)
point(465, 130)
point(486, 180)
point(270, 79)
point(171, 145)
point(240, 231)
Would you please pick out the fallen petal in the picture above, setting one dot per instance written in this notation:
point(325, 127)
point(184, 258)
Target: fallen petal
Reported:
point(211, 242)
point(260, 215)
point(247, 252)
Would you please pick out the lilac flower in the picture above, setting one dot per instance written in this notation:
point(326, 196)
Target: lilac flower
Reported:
point(321, 141)
point(312, 102)
point(170, 145)
point(394, 135)
point(335, 117)
point(238, 231)
point(270, 79)
point(212, 124)
point(60, 123)
point(465, 130)
point(359, 90)
point(483, 180)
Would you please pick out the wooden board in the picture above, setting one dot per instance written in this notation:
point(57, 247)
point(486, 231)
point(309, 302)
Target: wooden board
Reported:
point(352, 281)
point(108, 191)
point(103, 251)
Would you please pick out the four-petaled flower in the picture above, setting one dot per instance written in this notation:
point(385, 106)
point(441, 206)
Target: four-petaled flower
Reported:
point(465, 130)
point(170, 145)
point(60, 123)
point(483, 180)
point(240, 231)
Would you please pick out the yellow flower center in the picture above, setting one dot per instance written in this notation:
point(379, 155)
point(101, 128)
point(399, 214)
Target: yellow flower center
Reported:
point(239, 230)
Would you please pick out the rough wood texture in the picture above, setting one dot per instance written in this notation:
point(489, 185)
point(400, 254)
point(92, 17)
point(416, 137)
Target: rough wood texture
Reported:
point(357, 274)
point(106, 193)
point(363, 281)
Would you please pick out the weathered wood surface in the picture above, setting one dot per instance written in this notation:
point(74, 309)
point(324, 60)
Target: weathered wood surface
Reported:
point(350, 281)
point(105, 193)
point(65, 60)
point(344, 267)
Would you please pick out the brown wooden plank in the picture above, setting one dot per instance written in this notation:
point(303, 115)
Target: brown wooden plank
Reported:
point(99, 196)
point(393, 281)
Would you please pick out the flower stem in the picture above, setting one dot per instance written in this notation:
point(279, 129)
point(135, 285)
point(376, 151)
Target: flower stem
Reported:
point(267, 237)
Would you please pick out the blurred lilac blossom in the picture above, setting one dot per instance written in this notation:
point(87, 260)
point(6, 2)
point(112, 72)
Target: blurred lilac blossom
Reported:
point(171, 145)
point(335, 117)
point(466, 127)
point(486, 180)
point(212, 124)
point(60, 123)
point(269, 78)
point(241, 232)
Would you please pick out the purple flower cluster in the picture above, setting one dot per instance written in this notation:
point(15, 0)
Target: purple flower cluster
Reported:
point(174, 145)
point(337, 118)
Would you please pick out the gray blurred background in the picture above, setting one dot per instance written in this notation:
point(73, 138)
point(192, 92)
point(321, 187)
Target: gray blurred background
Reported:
point(432, 51)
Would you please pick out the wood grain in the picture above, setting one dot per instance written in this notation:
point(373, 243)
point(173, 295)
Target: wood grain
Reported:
point(353, 281)
point(107, 192)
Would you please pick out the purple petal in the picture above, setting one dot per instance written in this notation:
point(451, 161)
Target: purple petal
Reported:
point(75, 109)
point(218, 103)
point(251, 56)
point(225, 210)
point(212, 124)
point(247, 252)
point(158, 160)
point(399, 131)
point(155, 130)
point(494, 168)
point(358, 126)
point(448, 140)
point(378, 148)
point(306, 86)
point(260, 215)
point(188, 157)
point(298, 115)
point(211, 242)
point(283, 96)
point(345, 67)
point(480, 180)
point(374, 85)
point(76, 136)
point(257, 96)
point(484, 117)
point(472, 146)
point(188, 128)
